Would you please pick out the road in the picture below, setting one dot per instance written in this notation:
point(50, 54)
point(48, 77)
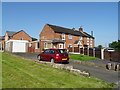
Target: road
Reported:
point(101, 73)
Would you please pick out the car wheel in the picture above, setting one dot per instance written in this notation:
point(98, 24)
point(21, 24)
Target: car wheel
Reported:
point(52, 60)
point(38, 57)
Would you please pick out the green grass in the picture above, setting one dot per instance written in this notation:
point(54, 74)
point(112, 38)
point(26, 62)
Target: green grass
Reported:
point(22, 73)
point(82, 57)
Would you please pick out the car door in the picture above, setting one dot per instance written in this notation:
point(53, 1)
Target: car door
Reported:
point(45, 55)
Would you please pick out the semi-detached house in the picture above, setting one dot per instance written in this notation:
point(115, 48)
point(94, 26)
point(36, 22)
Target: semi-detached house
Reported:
point(53, 36)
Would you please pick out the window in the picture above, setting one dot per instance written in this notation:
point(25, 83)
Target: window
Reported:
point(63, 36)
point(60, 46)
point(46, 51)
point(90, 38)
point(62, 51)
point(30, 44)
point(91, 41)
point(21, 39)
point(52, 51)
point(70, 45)
point(47, 45)
point(70, 36)
point(80, 38)
point(87, 39)
point(42, 37)
point(37, 45)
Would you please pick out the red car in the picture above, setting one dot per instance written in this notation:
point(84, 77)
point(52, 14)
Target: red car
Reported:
point(54, 55)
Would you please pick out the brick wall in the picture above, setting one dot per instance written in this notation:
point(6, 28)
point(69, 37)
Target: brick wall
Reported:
point(113, 56)
point(21, 35)
point(46, 34)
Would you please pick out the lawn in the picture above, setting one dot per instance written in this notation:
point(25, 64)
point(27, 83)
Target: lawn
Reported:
point(82, 57)
point(22, 73)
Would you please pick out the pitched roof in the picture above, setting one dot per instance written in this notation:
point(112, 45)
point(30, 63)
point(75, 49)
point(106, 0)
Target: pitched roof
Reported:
point(10, 33)
point(58, 29)
point(88, 35)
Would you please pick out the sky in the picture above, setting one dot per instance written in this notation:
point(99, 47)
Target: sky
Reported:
point(99, 17)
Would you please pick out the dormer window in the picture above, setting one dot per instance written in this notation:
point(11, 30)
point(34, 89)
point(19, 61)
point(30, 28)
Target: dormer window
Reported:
point(70, 36)
point(63, 36)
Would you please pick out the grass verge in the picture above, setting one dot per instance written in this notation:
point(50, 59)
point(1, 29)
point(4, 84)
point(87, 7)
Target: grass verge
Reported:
point(22, 73)
point(82, 57)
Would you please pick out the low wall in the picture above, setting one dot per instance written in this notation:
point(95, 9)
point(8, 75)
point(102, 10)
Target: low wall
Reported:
point(64, 67)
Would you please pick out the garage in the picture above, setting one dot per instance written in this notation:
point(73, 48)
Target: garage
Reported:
point(16, 46)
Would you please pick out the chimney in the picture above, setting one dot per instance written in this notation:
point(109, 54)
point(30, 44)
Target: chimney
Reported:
point(91, 33)
point(81, 29)
point(73, 28)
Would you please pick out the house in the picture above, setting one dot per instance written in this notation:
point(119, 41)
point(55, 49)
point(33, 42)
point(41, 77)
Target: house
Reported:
point(2, 42)
point(15, 41)
point(34, 46)
point(53, 36)
point(21, 35)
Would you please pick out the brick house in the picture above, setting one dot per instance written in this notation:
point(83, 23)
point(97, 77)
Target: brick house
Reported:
point(2, 42)
point(53, 36)
point(21, 35)
point(14, 39)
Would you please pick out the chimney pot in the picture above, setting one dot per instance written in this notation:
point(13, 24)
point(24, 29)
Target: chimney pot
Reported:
point(81, 29)
point(73, 28)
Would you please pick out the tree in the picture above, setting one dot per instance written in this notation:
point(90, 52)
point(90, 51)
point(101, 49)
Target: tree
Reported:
point(100, 46)
point(115, 45)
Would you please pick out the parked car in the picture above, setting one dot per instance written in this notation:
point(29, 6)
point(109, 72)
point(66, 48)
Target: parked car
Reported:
point(54, 55)
point(110, 49)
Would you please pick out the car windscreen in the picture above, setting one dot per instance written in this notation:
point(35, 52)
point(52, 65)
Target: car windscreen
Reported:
point(62, 51)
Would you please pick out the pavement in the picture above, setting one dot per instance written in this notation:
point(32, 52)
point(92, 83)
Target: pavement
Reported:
point(109, 76)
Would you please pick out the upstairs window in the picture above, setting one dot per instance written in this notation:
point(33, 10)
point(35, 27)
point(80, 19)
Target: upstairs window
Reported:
point(80, 38)
point(63, 36)
point(87, 39)
point(69, 45)
point(43, 37)
point(70, 36)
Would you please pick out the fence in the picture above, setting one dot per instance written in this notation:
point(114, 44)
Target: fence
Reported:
point(112, 56)
point(102, 54)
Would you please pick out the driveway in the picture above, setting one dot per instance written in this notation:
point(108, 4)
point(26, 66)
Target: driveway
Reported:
point(101, 73)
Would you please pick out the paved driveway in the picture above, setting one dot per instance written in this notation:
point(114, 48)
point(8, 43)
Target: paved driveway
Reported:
point(101, 73)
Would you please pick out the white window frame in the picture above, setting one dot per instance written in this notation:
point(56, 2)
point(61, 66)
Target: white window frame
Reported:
point(46, 45)
point(88, 39)
point(43, 37)
point(80, 37)
point(60, 45)
point(70, 36)
point(63, 36)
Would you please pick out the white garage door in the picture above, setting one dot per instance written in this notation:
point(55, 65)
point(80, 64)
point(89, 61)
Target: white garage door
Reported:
point(19, 47)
